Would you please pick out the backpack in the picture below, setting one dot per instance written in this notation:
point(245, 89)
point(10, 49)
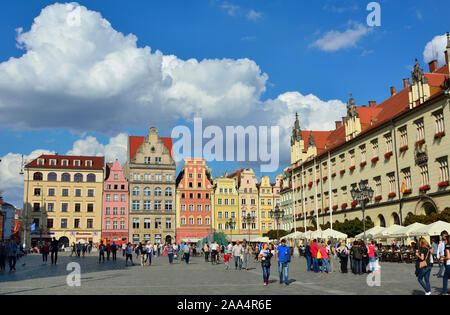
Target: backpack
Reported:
point(357, 253)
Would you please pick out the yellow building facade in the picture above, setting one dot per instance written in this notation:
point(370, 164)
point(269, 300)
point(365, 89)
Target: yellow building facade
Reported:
point(63, 199)
point(226, 206)
point(266, 204)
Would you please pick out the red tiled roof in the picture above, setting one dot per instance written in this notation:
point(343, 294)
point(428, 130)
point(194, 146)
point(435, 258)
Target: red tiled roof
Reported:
point(136, 142)
point(97, 162)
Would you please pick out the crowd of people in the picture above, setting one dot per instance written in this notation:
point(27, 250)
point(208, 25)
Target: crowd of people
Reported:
point(359, 257)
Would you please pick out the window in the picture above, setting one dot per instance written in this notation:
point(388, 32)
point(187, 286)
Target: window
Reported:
point(147, 177)
point(76, 163)
point(116, 176)
point(91, 178)
point(136, 176)
point(183, 207)
point(115, 225)
point(420, 128)
point(157, 205)
point(65, 163)
point(191, 208)
point(407, 177)
point(135, 223)
point(49, 223)
point(78, 207)
point(168, 192)
point(52, 162)
point(352, 159)
point(51, 177)
point(123, 198)
point(64, 207)
point(147, 223)
point(50, 207)
point(424, 177)
point(90, 207)
point(147, 204)
point(135, 238)
point(199, 221)
point(108, 211)
point(77, 192)
point(158, 177)
point(191, 221)
point(122, 225)
point(122, 211)
point(375, 148)
point(443, 169)
point(388, 139)
point(115, 210)
point(90, 223)
point(65, 192)
point(108, 197)
point(90, 192)
point(207, 208)
point(168, 205)
point(136, 191)
point(41, 162)
point(199, 208)
point(37, 176)
point(147, 191)
point(63, 223)
point(439, 121)
point(65, 177)
point(158, 223)
point(76, 224)
point(168, 223)
point(158, 192)
point(88, 163)
point(219, 201)
point(158, 160)
point(147, 160)
point(168, 177)
point(78, 177)
point(233, 202)
point(116, 197)
point(391, 180)
point(36, 207)
point(378, 190)
point(37, 191)
point(183, 221)
point(136, 205)
point(403, 131)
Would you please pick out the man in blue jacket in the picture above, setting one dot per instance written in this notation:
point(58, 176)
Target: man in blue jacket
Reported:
point(283, 255)
point(308, 256)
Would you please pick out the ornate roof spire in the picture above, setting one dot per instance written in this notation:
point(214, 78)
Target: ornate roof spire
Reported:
point(417, 75)
point(311, 142)
point(296, 132)
point(351, 107)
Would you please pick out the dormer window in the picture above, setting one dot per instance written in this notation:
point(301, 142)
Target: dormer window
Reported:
point(88, 163)
point(65, 163)
point(76, 163)
point(52, 162)
point(41, 162)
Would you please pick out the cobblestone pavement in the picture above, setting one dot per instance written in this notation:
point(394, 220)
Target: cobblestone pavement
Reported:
point(198, 278)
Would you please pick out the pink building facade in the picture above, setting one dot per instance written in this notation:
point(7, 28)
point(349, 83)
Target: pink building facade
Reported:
point(194, 201)
point(115, 205)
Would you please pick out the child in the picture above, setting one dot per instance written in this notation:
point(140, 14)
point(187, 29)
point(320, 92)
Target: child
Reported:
point(227, 260)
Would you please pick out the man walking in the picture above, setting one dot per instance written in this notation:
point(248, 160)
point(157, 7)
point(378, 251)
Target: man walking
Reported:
point(308, 256)
point(187, 252)
point(55, 248)
point(441, 253)
point(12, 255)
point(101, 252)
point(237, 252)
point(283, 255)
point(114, 250)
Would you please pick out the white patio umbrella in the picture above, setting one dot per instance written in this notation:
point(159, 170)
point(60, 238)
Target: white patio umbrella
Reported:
point(386, 233)
point(432, 229)
point(408, 230)
point(316, 234)
point(329, 233)
point(307, 234)
point(294, 236)
point(371, 232)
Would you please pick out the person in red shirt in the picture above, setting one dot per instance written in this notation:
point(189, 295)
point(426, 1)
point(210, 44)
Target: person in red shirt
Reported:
point(44, 251)
point(226, 258)
point(314, 250)
point(371, 249)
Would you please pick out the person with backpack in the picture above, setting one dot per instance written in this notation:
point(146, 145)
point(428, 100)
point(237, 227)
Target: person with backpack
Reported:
point(101, 252)
point(283, 255)
point(129, 254)
point(264, 256)
point(44, 252)
point(114, 248)
point(342, 253)
point(423, 265)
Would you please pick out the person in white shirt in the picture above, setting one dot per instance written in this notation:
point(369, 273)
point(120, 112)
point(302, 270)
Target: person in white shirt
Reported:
point(441, 253)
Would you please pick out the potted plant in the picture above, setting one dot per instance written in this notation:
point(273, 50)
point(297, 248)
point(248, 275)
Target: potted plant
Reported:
point(378, 198)
point(363, 164)
point(391, 195)
point(352, 168)
point(407, 192)
point(420, 142)
point(344, 206)
point(424, 188)
point(443, 184)
point(403, 148)
point(439, 135)
point(353, 204)
point(342, 172)
point(388, 155)
point(374, 160)
point(325, 178)
point(310, 184)
point(335, 208)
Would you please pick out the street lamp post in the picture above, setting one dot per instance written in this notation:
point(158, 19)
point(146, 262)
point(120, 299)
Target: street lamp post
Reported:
point(277, 214)
point(362, 195)
point(248, 219)
point(230, 223)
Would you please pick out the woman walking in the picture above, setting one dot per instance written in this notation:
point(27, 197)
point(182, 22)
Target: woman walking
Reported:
point(44, 251)
point(247, 254)
point(265, 255)
point(149, 249)
point(423, 267)
point(446, 261)
point(206, 251)
point(342, 253)
point(129, 254)
point(169, 250)
point(324, 255)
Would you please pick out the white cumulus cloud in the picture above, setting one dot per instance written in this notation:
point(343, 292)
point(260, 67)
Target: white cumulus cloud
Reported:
point(337, 40)
point(434, 50)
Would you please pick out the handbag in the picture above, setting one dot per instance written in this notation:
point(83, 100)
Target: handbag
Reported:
point(424, 264)
point(319, 255)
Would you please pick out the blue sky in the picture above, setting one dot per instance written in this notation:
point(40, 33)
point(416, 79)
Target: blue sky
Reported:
point(277, 35)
